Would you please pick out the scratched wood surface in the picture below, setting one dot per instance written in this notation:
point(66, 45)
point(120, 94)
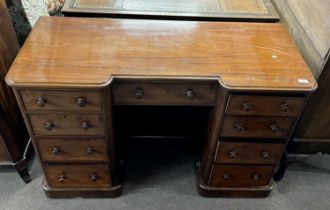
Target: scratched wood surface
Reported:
point(90, 52)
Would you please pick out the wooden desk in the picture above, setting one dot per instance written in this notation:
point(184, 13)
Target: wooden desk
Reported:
point(241, 10)
point(249, 75)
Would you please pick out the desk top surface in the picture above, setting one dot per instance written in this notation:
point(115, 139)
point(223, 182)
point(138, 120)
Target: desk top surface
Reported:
point(178, 9)
point(83, 52)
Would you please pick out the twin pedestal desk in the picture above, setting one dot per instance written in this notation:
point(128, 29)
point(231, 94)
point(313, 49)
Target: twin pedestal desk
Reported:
point(72, 73)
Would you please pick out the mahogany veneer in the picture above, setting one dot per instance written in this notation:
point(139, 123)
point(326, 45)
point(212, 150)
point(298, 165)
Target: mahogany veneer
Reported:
point(67, 96)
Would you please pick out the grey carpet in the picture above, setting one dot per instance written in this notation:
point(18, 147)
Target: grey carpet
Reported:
point(167, 181)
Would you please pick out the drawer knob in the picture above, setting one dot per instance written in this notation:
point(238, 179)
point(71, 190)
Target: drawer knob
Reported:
point(90, 150)
point(56, 151)
point(239, 127)
point(233, 154)
point(81, 101)
point(48, 126)
point(274, 127)
point(247, 106)
point(41, 102)
point(93, 178)
point(61, 178)
point(226, 176)
point(284, 107)
point(85, 125)
point(138, 93)
point(256, 177)
point(190, 94)
point(265, 155)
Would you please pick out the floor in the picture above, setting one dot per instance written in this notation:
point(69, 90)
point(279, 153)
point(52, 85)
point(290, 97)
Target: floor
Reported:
point(167, 181)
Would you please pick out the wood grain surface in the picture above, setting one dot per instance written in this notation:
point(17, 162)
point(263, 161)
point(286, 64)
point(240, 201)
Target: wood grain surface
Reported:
point(91, 52)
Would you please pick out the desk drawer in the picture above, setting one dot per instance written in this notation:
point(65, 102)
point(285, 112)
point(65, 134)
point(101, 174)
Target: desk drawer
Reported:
point(264, 105)
point(67, 124)
point(270, 127)
point(73, 149)
point(164, 93)
point(240, 175)
point(78, 176)
point(248, 153)
point(37, 100)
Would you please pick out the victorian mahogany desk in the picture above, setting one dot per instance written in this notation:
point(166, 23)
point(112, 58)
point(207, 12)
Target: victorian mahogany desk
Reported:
point(73, 73)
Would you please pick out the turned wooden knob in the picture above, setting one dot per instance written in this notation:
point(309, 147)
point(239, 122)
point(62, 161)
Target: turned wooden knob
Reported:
point(61, 178)
point(233, 154)
point(90, 150)
point(256, 177)
point(274, 127)
point(190, 94)
point(93, 178)
point(81, 101)
point(85, 125)
point(48, 125)
point(41, 101)
point(284, 107)
point(138, 93)
point(265, 155)
point(247, 106)
point(226, 176)
point(56, 151)
point(239, 127)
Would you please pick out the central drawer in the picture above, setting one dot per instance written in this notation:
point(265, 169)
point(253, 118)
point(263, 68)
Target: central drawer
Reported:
point(78, 176)
point(165, 93)
point(73, 149)
point(240, 175)
point(67, 124)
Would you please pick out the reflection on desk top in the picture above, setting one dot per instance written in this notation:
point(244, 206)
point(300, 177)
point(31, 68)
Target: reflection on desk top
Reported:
point(248, 10)
point(90, 52)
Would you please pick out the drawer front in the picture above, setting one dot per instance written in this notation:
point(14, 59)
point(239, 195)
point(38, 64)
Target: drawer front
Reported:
point(270, 127)
point(240, 175)
point(248, 153)
point(160, 93)
point(67, 124)
point(264, 105)
point(73, 149)
point(78, 176)
point(61, 100)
